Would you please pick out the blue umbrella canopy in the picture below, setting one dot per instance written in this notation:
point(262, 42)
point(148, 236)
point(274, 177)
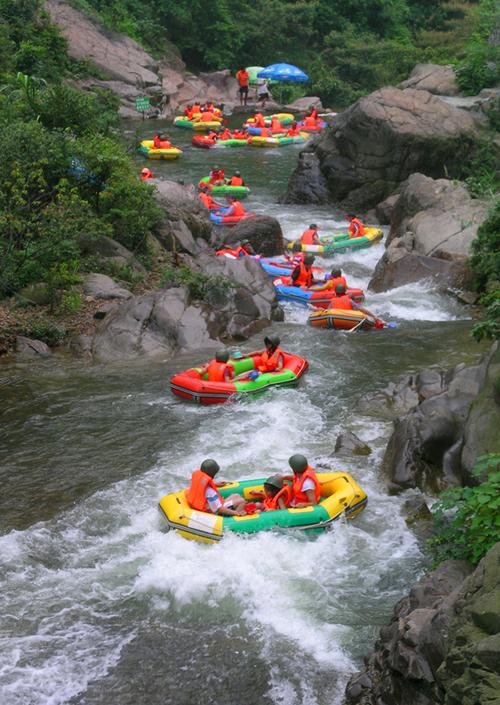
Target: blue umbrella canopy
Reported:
point(284, 72)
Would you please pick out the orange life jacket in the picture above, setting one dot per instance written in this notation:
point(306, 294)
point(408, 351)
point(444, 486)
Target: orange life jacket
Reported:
point(239, 135)
point(207, 200)
point(217, 175)
point(310, 121)
point(269, 362)
point(276, 125)
point(293, 132)
point(196, 108)
point(308, 237)
point(265, 132)
point(195, 495)
point(356, 228)
point(305, 276)
point(285, 494)
point(343, 302)
point(146, 174)
point(298, 482)
point(258, 120)
point(237, 208)
point(333, 281)
point(242, 77)
point(314, 113)
point(165, 144)
point(236, 181)
point(208, 116)
point(156, 142)
point(217, 371)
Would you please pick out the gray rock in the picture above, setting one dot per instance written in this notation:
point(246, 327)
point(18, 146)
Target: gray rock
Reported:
point(100, 286)
point(433, 224)
point(185, 218)
point(381, 140)
point(81, 344)
point(349, 443)
point(302, 105)
point(307, 183)
point(437, 79)
point(111, 251)
point(26, 347)
point(103, 311)
point(263, 231)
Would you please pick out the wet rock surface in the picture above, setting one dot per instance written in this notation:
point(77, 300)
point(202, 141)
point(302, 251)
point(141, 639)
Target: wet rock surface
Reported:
point(263, 231)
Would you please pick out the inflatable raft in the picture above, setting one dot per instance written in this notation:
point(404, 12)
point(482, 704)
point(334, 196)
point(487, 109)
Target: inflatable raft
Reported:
point(147, 148)
point(191, 385)
point(203, 141)
point(341, 497)
point(232, 142)
point(256, 141)
point(320, 125)
point(295, 139)
point(284, 118)
point(187, 124)
point(342, 319)
point(318, 299)
point(225, 189)
point(341, 243)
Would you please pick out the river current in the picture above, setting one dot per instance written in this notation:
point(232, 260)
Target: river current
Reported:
point(99, 605)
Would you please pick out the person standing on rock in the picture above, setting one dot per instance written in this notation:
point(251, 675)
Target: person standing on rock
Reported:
point(243, 78)
point(262, 94)
point(356, 227)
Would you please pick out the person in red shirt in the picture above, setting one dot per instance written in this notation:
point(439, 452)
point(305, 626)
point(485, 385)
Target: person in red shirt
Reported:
point(216, 176)
point(242, 77)
point(356, 227)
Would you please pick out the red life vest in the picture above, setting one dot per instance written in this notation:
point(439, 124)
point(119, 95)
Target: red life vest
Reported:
point(305, 276)
point(298, 482)
point(217, 175)
point(269, 362)
point(196, 108)
point(156, 142)
point(308, 237)
point(217, 371)
point(333, 281)
point(293, 132)
point(314, 113)
point(195, 495)
point(276, 125)
point(271, 503)
point(237, 208)
point(259, 120)
point(207, 200)
point(265, 132)
point(356, 228)
point(236, 181)
point(208, 116)
point(146, 174)
point(298, 258)
point(310, 121)
point(165, 144)
point(343, 302)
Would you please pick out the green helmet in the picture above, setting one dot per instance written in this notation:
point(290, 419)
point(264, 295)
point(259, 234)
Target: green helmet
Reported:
point(275, 481)
point(340, 289)
point(222, 355)
point(298, 462)
point(309, 259)
point(336, 272)
point(210, 467)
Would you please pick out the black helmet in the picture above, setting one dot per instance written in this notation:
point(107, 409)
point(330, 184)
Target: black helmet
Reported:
point(210, 467)
point(297, 246)
point(351, 215)
point(313, 226)
point(340, 289)
point(309, 259)
point(336, 272)
point(298, 462)
point(275, 481)
point(222, 355)
point(273, 340)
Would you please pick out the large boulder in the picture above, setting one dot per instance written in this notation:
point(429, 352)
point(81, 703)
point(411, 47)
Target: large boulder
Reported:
point(384, 137)
point(27, 347)
point(100, 286)
point(426, 448)
point(307, 183)
point(263, 231)
point(442, 646)
point(185, 225)
point(302, 105)
point(433, 224)
point(110, 251)
point(437, 79)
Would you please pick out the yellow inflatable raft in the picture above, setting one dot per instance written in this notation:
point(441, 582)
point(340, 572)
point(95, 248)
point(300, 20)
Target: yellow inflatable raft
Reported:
point(341, 496)
point(150, 152)
point(257, 141)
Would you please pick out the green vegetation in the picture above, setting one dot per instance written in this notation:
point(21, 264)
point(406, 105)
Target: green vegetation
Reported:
point(348, 47)
point(485, 263)
point(64, 174)
point(467, 519)
point(201, 286)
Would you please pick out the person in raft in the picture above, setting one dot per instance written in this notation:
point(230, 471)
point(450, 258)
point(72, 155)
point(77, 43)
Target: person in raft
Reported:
point(258, 120)
point(302, 275)
point(216, 176)
point(242, 77)
point(271, 359)
point(310, 236)
point(235, 208)
point(331, 280)
point(219, 369)
point(293, 130)
point(236, 180)
point(204, 496)
point(343, 301)
point(161, 142)
point(206, 198)
point(276, 495)
point(306, 491)
point(146, 174)
point(356, 227)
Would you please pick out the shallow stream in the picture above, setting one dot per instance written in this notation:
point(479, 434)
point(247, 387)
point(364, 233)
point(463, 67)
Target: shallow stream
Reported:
point(100, 606)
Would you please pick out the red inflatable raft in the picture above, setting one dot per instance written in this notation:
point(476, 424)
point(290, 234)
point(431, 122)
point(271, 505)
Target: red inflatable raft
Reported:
point(203, 141)
point(194, 386)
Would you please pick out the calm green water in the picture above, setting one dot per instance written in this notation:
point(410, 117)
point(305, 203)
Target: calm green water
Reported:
point(99, 605)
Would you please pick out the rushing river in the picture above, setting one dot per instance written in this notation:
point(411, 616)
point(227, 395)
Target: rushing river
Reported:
point(99, 605)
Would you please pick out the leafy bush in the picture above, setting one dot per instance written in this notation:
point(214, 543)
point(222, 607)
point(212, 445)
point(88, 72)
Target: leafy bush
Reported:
point(41, 329)
point(202, 287)
point(467, 519)
point(489, 329)
point(485, 259)
point(481, 66)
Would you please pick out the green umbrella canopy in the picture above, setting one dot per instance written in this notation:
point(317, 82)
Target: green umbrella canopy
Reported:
point(252, 72)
